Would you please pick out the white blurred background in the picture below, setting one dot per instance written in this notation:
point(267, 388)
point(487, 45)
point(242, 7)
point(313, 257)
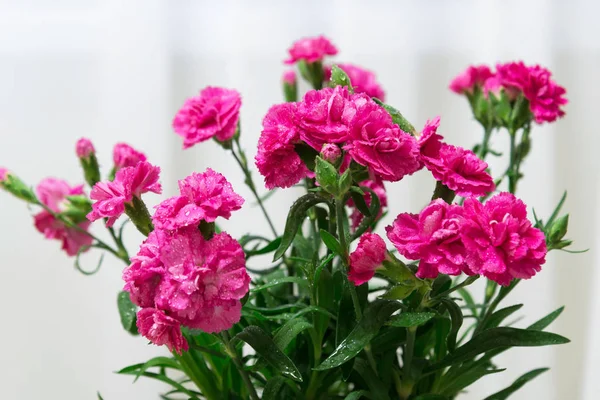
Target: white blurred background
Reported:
point(118, 70)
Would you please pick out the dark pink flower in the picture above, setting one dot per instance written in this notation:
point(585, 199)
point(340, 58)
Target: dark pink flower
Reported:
point(457, 168)
point(276, 159)
point(161, 329)
point(474, 75)
point(197, 282)
point(84, 148)
point(377, 186)
point(129, 182)
point(289, 77)
point(433, 237)
point(379, 144)
point(53, 194)
point(369, 255)
point(213, 113)
point(546, 98)
point(126, 156)
point(204, 197)
point(311, 50)
point(500, 241)
point(362, 80)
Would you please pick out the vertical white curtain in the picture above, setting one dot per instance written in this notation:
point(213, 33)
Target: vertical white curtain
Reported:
point(118, 71)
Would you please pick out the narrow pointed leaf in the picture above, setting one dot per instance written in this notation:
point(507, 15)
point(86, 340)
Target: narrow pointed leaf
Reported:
point(498, 338)
point(279, 281)
point(266, 348)
point(127, 312)
point(547, 320)
point(376, 386)
point(272, 246)
point(517, 384)
point(373, 319)
point(457, 321)
point(289, 331)
point(410, 319)
point(499, 316)
point(357, 395)
point(465, 380)
point(331, 242)
point(273, 387)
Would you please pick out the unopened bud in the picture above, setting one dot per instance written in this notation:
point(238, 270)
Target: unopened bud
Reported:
point(16, 186)
point(559, 228)
point(84, 148)
point(290, 87)
point(89, 163)
point(331, 153)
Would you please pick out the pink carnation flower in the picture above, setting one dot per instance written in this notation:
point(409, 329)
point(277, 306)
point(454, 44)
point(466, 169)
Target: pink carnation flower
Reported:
point(289, 77)
point(3, 174)
point(379, 144)
point(276, 159)
point(545, 97)
point(53, 194)
point(474, 75)
point(129, 182)
point(362, 80)
point(325, 115)
point(433, 237)
point(126, 156)
point(161, 329)
point(377, 186)
point(311, 50)
point(214, 113)
point(84, 148)
point(204, 196)
point(197, 282)
point(500, 241)
point(369, 255)
point(457, 168)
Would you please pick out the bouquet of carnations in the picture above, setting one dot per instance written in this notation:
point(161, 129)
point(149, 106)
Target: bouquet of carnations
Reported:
point(325, 309)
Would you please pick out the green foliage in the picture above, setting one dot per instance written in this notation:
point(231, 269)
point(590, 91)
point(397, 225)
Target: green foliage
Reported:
point(127, 312)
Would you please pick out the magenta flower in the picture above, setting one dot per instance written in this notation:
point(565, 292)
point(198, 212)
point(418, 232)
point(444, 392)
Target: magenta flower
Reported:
point(161, 329)
point(84, 148)
point(276, 159)
point(500, 241)
point(213, 113)
point(379, 144)
point(474, 75)
point(546, 98)
point(457, 168)
point(197, 282)
point(126, 156)
point(3, 174)
point(204, 197)
point(362, 80)
point(129, 182)
point(433, 237)
point(369, 255)
point(289, 77)
point(377, 186)
point(311, 50)
point(325, 115)
point(53, 194)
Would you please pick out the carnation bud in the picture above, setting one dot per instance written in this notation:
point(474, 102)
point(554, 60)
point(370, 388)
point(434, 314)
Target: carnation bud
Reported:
point(559, 229)
point(327, 176)
point(139, 215)
point(331, 153)
point(87, 158)
point(290, 87)
point(16, 187)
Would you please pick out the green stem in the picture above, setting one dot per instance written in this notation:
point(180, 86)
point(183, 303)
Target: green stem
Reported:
point(188, 364)
point(238, 364)
point(512, 168)
point(487, 313)
point(241, 160)
point(407, 382)
point(484, 149)
point(339, 212)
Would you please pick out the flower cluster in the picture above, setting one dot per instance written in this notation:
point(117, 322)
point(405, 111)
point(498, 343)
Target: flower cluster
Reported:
point(494, 239)
point(182, 276)
point(546, 98)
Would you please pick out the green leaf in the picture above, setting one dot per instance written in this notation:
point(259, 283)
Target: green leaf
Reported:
point(289, 331)
point(469, 300)
point(517, 384)
point(410, 319)
point(556, 211)
point(279, 281)
point(399, 292)
point(307, 154)
point(358, 197)
point(339, 77)
point(357, 395)
point(500, 315)
point(374, 209)
point(167, 380)
point(331, 242)
point(496, 338)
point(295, 218)
point(376, 387)
point(273, 387)
point(127, 311)
point(266, 347)
point(163, 362)
point(272, 246)
point(467, 379)
point(327, 176)
point(99, 396)
point(457, 321)
point(397, 118)
point(366, 329)
point(431, 396)
point(547, 320)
